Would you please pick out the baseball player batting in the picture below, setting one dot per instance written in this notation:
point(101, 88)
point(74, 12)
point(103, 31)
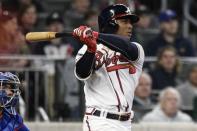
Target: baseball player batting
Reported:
point(10, 120)
point(110, 70)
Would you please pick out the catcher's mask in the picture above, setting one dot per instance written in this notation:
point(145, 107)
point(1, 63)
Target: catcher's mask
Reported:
point(9, 92)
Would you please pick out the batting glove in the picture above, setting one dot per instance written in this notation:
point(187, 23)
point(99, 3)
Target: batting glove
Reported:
point(82, 32)
point(86, 36)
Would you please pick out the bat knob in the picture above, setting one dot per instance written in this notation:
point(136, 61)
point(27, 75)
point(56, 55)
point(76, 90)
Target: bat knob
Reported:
point(89, 33)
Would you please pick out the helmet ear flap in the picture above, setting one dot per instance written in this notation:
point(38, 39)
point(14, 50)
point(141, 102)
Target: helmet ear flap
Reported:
point(113, 22)
point(110, 27)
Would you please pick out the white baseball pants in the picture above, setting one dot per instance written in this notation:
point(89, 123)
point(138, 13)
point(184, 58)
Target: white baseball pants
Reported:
point(95, 123)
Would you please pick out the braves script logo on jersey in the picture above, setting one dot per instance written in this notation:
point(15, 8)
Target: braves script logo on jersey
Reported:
point(113, 63)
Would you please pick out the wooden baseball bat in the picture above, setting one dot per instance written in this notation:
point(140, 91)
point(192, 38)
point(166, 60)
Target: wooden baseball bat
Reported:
point(45, 36)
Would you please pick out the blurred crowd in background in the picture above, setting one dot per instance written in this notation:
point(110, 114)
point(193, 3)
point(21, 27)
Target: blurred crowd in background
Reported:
point(167, 89)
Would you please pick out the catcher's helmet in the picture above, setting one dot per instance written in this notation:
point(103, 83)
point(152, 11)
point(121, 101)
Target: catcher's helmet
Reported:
point(107, 18)
point(9, 92)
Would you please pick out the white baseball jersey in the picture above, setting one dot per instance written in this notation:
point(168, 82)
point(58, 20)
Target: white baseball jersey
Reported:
point(112, 84)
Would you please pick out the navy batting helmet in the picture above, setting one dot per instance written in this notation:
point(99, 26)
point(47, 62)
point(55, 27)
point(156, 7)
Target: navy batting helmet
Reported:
point(107, 18)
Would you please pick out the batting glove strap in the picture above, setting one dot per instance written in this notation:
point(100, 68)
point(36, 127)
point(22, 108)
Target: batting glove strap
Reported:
point(91, 44)
point(82, 32)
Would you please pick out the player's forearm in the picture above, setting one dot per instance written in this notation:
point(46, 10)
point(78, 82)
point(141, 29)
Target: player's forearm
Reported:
point(120, 44)
point(85, 65)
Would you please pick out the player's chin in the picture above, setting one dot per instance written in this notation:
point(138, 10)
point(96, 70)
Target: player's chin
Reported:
point(126, 34)
point(129, 34)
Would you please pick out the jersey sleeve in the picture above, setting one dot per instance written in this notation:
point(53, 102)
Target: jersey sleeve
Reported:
point(140, 60)
point(21, 126)
point(120, 44)
point(82, 52)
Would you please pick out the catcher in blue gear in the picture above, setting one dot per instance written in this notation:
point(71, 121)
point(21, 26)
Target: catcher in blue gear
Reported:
point(10, 120)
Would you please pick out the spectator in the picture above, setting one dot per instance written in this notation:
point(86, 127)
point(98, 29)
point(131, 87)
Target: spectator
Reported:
point(166, 70)
point(27, 18)
point(76, 13)
point(142, 31)
point(54, 23)
point(91, 19)
point(11, 40)
point(56, 47)
point(7, 21)
point(64, 90)
point(11, 5)
point(15, 5)
point(145, 16)
point(168, 109)
point(142, 100)
point(100, 4)
point(188, 90)
point(38, 4)
point(154, 5)
point(169, 37)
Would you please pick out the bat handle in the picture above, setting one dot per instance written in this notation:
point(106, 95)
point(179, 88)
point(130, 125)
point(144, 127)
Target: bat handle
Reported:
point(70, 34)
point(59, 35)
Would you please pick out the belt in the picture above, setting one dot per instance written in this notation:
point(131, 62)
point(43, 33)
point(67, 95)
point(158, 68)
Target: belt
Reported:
point(122, 117)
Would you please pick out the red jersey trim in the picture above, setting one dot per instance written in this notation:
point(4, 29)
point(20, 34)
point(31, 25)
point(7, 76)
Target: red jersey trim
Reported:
point(132, 69)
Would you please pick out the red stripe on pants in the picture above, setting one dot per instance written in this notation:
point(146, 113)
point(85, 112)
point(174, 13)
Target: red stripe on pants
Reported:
point(88, 124)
